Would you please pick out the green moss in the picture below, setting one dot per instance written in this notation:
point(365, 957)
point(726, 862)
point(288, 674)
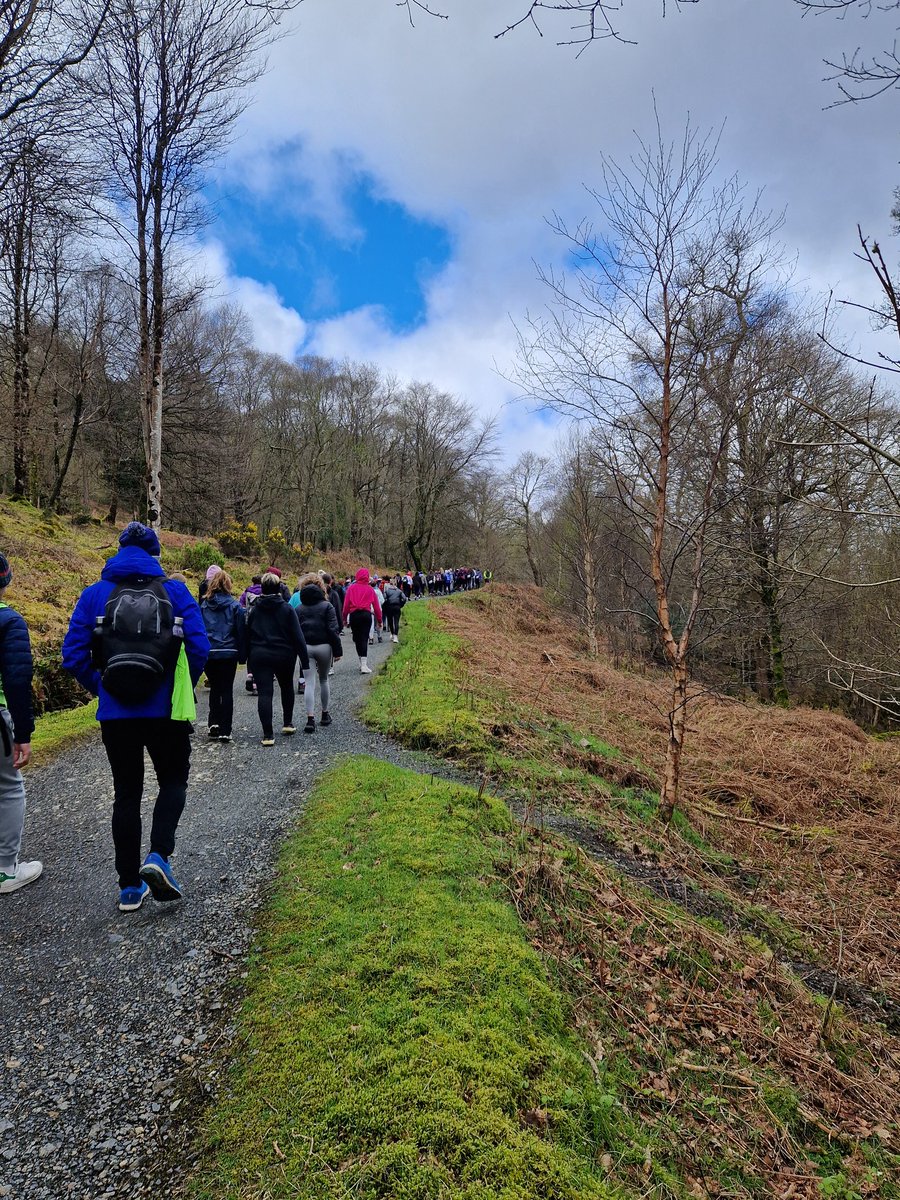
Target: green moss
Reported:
point(401, 1038)
point(56, 731)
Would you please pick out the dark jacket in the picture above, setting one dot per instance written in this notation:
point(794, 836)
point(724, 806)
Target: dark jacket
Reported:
point(226, 627)
point(393, 597)
point(273, 631)
point(318, 620)
point(16, 669)
point(336, 596)
point(130, 563)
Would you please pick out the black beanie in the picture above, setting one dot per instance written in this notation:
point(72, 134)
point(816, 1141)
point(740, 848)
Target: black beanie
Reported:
point(5, 572)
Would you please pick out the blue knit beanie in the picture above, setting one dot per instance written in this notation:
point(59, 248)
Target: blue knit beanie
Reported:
point(5, 572)
point(136, 534)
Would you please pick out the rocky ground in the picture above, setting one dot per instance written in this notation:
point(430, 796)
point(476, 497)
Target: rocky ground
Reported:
point(113, 1024)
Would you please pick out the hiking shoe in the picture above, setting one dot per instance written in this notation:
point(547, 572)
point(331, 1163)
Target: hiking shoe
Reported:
point(24, 872)
point(310, 726)
point(213, 732)
point(225, 737)
point(326, 718)
point(287, 730)
point(157, 874)
point(131, 898)
point(267, 742)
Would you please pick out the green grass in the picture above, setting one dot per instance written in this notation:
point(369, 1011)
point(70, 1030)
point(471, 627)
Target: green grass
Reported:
point(58, 730)
point(400, 1037)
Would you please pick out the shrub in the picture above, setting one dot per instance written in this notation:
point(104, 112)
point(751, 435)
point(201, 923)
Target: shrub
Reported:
point(198, 557)
point(240, 541)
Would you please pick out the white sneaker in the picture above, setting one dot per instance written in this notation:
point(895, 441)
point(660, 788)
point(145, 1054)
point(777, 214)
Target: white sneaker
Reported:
point(364, 668)
point(394, 638)
point(25, 872)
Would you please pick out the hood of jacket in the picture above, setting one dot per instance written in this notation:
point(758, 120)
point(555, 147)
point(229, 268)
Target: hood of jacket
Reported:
point(219, 600)
point(131, 561)
point(311, 594)
point(362, 575)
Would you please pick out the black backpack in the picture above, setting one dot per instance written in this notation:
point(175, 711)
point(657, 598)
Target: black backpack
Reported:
point(136, 641)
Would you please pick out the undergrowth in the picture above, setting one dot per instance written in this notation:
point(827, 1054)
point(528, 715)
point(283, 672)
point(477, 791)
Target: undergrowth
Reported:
point(400, 1038)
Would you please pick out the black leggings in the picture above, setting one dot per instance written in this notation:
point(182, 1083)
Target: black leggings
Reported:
point(392, 617)
point(265, 672)
point(360, 622)
point(169, 745)
point(221, 672)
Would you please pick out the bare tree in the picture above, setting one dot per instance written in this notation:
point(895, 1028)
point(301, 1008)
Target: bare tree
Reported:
point(171, 78)
point(627, 343)
point(39, 41)
point(525, 484)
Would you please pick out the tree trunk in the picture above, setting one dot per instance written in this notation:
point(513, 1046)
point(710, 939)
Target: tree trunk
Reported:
point(669, 792)
point(63, 469)
point(590, 600)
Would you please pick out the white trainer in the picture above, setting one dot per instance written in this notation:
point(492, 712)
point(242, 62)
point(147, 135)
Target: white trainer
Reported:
point(364, 668)
point(25, 872)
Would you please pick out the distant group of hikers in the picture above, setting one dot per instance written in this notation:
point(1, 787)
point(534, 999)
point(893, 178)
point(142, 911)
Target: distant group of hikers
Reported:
point(140, 642)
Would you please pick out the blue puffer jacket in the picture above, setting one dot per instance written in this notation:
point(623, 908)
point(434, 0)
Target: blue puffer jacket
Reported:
point(15, 672)
point(76, 650)
point(226, 627)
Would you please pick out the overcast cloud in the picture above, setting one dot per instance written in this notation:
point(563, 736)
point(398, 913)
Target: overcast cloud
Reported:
point(488, 137)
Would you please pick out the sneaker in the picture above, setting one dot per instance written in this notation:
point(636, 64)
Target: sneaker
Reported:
point(326, 718)
point(25, 872)
point(365, 669)
point(394, 638)
point(157, 873)
point(310, 726)
point(371, 641)
point(250, 686)
point(225, 737)
point(287, 730)
point(213, 732)
point(131, 898)
point(267, 742)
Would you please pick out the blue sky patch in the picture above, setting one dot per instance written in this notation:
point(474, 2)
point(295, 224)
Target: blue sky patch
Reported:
point(385, 257)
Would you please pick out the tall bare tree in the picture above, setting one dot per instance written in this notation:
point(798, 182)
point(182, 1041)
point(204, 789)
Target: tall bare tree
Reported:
point(171, 78)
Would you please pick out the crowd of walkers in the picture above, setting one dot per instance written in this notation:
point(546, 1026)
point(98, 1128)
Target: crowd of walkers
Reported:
point(140, 642)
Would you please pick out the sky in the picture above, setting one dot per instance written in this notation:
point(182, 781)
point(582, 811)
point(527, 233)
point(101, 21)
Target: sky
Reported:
point(387, 193)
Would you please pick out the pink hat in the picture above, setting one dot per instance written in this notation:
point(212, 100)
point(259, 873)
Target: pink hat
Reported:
point(212, 569)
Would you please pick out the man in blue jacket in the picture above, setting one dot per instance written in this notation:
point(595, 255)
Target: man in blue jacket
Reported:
point(131, 726)
point(16, 728)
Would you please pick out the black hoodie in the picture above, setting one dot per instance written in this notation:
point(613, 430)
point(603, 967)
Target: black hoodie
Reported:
point(273, 631)
point(318, 619)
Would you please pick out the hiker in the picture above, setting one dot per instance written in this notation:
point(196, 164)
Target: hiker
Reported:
point(373, 628)
point(274, 641)
point(335, 594)
point(393, 603)
point(16, 728)
point(123, 644)
point(323, 643)
point(227, 632)
point(204, 582)
point(360, 602)
point(248, 597)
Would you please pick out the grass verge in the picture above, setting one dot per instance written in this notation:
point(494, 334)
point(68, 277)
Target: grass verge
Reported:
point(401, 1038)
point(58, 730)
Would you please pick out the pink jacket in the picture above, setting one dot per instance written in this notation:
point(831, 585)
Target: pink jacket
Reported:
point(360, 597)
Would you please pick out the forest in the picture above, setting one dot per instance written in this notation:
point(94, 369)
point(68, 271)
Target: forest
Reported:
point(724, 500)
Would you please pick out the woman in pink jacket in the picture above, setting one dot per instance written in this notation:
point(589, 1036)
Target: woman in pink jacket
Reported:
point(360, 602)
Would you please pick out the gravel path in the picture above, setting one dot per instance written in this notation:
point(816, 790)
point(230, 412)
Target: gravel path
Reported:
point(112, 1024)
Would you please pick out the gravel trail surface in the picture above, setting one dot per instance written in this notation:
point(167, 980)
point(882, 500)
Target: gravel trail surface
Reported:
point(112, 1025)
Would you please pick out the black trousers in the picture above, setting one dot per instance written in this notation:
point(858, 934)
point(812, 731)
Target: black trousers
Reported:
point(360, 622)
point(169, 745)
point(392, 617)
point(221, 672)
point(265, 672)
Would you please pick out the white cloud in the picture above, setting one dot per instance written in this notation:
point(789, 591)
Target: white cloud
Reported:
point(276, 327)
point(488, 137)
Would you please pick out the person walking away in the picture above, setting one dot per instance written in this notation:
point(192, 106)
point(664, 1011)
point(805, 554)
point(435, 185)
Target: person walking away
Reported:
point(274, 642)
point(247, 599)
point(406, 584)
point(393, 603)
point(226, 629)
point(376, 629)
point(335, 594)
point(16, 728)
point(359, 604)
point(323, 643)
point(123, 644)
point(204, 582)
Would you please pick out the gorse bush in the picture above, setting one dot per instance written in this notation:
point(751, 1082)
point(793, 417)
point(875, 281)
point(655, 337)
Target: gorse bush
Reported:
point(239, 541)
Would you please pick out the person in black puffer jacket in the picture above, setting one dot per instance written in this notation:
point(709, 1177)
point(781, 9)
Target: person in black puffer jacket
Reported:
point(323, 642)
point(274, 641)
point(227, 632)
